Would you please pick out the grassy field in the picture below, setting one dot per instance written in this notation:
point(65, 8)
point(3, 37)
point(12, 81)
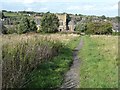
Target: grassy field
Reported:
point(35, 60)
point(50, 74)
point(12, 14)
point(99, 63)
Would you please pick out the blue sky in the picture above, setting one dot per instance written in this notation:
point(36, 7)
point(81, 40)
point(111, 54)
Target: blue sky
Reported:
point(86, 7)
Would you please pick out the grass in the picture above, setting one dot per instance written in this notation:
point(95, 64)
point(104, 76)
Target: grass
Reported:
point(12, 14)
point(51, 74)
point(36, 60)
point(99, 62)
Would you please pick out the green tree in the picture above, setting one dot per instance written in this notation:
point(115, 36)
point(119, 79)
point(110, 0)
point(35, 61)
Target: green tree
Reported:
point(99, 28)
point(33, 26)
point(117, 18)
point(103, 17)
point(49, 23)
point(2, 15)
point(24, 26)
point(68, 19)
point(81, 27)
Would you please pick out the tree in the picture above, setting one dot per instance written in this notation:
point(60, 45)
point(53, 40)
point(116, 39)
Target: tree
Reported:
point(68, 19)
point(81, 27)
point(99, 28)
point(24, 26)
point(103, 17)
point(33, 26)
point(49, 23)
point(2, 15)
point(117, 18)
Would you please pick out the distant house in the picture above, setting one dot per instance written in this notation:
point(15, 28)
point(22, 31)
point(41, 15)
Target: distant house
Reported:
point(71, 25)
point(37, 21)
point(115, 27)
point(96, 19)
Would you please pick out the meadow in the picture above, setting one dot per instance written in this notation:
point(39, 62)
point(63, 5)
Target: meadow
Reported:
point(99, 62)
point(36, 60)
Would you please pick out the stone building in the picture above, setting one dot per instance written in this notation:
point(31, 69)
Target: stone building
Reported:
point(62, 21)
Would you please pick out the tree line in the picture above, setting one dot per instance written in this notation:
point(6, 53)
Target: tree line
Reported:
point(49, 24)
point(95, 28)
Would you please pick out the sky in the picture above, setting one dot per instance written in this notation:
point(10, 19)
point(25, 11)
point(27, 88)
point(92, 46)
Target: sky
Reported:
point(85, 7)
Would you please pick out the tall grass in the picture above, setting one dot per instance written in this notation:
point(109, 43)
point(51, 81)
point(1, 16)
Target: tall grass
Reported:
point(23, 55)
point(50, 74)
point(21, 58)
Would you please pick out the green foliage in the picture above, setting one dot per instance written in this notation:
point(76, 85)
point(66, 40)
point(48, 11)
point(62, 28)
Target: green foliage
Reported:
point(50, 74)
point(117, 18)
point(24, 26)
point(2, 15)
point(22, 57)
point(116, 33)
point(68, 19)
point(3, 29)
point(33, 26)
point(12, 30)
point(36, 62)
point(49, 23)
point(99, 28)
point(103, 17)
point(80, 27)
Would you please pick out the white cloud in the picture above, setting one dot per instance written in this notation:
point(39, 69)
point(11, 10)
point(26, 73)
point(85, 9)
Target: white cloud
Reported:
point(38, 1)
point(29, 9)
point(115, 6)
point(43, 9)
point(89, 7)
point(110, 7)
point(28, 1)
point(82, 7)
point(74, 8)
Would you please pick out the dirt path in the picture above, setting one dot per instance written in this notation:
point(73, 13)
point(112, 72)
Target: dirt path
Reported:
point(72, 77)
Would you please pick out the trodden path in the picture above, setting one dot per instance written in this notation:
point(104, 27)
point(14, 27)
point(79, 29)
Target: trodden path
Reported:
point(72, 77)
